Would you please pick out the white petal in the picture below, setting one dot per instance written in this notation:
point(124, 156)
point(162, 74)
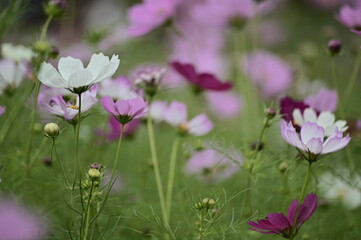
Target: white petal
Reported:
point(310, 115)
point(326, 119)
point(341, 125)
point(176, 114)
point(81, 78)
point(67, 66)
point(7, 71)
point(49, 76)
point(108, 70)
point(297, 117)
point(335, 143)
point(311, 130)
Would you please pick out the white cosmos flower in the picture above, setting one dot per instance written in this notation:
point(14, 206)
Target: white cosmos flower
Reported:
point(73, 76)
point(11, 74)
point(16, 53)
point(324, 119)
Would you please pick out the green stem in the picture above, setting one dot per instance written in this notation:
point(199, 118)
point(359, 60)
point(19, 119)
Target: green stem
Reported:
point(77, 133)
point(300, 199)
point(171, 175)
point(353, 79)
point(156, 169)
point(87, 212)
point(112, 176)
point(45, 28)
point(53, 148)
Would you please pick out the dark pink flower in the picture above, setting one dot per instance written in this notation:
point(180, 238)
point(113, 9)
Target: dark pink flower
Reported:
point(150, 14)
point(287, 106)
point(278, 223)
point(125, 110)
point(200, 80)
point(115, 128)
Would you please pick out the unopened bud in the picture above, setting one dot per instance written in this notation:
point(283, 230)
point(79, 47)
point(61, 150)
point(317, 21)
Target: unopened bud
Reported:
point(270, 113)
point(51, 130)
point(94, 174)
point(56, 8)
point(208, 203)
point(47, 161)
point(198, 206)
point(283, 167)
point(97, 166)
point(334, 46)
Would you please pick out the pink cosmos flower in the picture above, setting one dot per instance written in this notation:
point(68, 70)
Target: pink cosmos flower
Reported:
point(324, 100)
point(120, 88)
point(210, 165)
point(200, 80)
point(157, 110)
point(272, 75)
point(278, 223)
point(351, 17)
point(311, 139)
point(224, 105)
point(2, 110)
point(115, 128)
point(17, 223)
point(68, 110)
point(150, 14)
point(125, 110)
point(176, 116)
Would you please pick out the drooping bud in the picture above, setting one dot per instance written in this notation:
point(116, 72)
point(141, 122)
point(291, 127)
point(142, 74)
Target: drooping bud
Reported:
point(51, 130)
point(56, 8)
point(94, 174)
point(334, 46)
point(47, 161)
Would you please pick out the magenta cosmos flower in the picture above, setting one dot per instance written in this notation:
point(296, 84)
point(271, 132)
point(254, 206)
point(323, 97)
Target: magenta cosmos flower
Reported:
point(176, 116)
point(311, 139)
point(150, 14)
point(288, 105)
point(125, 110)
point(200, 80)
point(278, 223)
point(272, 75)
point(351, 18)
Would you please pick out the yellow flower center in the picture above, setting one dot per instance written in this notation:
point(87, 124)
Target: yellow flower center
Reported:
point(74, 107)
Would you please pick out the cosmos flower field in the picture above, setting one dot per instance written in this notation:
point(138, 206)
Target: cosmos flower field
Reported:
point(180, 119)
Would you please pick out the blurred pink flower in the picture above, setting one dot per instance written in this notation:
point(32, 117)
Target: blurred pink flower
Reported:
point(115, 128)
point(351, 17)
point(157, 110)
point(272, 33)
point(272, 75)
point(224, 104)
point(125, 110)
point(120, 88)
point(2, 110)
point(17, 223)
point(150, 14)
point(324, 100)
point(201, 81)
point(176, 116)
point(68, 110)
point(210, 165)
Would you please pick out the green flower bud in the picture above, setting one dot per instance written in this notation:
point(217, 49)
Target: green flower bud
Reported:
point(51, 130)
point(208, 203)
point(94, 174)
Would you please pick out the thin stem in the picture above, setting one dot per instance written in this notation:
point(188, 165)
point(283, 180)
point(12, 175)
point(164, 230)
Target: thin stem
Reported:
point(53, 148)
point(45, 28)
point(112, 176)
point(156, 169)
point(171, 174)
point(300, 199)
point(77, 133)
point(353, 79)
point(87, 212)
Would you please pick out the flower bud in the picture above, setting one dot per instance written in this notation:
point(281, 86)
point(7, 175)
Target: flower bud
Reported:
point(47, 161)
point(334, 46)
point(94, 174)
point(283, 167)
point(270, 113)
point(208, 203)
point(198, 206)
point(56, 8)
point(97, 166)
point(51, 130)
